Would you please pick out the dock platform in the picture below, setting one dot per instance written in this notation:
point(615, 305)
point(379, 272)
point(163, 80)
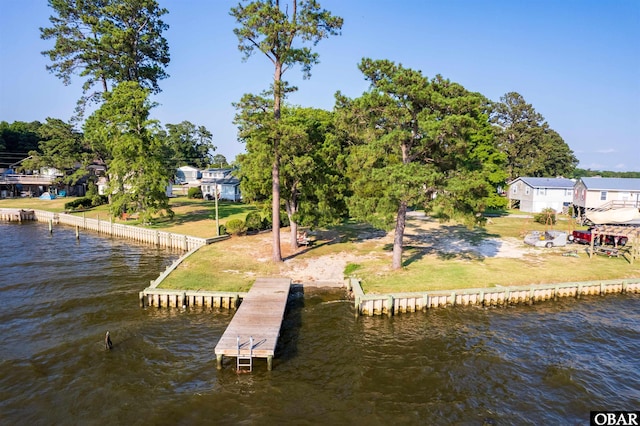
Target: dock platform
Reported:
point(254, 330)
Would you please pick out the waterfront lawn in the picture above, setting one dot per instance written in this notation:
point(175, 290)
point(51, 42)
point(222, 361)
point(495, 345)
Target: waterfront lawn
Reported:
point(193, 217)
point(449, 274)
point(56, 205)
point(232, 265)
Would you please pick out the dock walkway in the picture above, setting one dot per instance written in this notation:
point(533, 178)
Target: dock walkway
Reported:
point(258, 321)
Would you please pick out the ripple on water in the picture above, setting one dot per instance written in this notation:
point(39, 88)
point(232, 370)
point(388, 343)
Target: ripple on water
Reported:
point(552, 362)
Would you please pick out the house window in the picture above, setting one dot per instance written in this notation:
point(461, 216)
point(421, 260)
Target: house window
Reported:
point(567, 192)
point(526, 190)
point(542, 191)
point(603, 196)
point(514, 189)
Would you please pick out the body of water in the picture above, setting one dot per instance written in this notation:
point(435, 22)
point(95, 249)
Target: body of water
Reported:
point(550, 363)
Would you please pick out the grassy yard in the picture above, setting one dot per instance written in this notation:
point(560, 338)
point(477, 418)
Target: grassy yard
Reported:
point(436, 257)
point(192, 217)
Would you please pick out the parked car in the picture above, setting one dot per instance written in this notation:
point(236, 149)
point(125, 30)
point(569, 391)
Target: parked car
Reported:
point(546, 239)
point(585, 236)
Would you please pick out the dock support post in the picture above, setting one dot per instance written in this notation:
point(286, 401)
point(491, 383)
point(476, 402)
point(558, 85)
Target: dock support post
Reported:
point(269, 362)
point(578, 291)
point(77, 232)
point(219, 361)
point(51, 226)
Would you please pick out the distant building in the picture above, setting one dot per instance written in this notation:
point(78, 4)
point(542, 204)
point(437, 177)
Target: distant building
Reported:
point(222, 183)
point(534, 194)
point(187, 175)
point(602, 193)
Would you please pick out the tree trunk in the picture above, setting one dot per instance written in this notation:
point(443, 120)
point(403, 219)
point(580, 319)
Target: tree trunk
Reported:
point(399, 235)
point(275, 171)
point(294, 234)
point(275, 210)
point(292, 208)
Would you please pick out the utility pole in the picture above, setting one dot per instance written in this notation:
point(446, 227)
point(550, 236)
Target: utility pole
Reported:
point(215, 194)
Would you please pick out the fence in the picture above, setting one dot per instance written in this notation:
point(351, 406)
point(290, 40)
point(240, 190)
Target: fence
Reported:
point(108, 227)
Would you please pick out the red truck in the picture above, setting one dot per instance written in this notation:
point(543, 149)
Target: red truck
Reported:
point(584, 237)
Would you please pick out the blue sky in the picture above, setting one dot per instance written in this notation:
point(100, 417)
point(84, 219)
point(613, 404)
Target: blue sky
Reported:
point(576, 62)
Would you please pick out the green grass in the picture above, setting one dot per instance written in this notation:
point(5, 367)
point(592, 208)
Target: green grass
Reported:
point(232, 265)
point(449, 274)
point(424, 268)
point(192, 216)
point(214, 268)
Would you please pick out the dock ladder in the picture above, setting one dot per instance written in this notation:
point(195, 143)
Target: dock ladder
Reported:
point(245, 360)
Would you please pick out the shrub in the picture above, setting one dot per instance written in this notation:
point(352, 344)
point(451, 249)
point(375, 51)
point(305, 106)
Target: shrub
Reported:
point(222, 230)
point(78, 203)
point(98, 200)
point(92, 189)
point(253, 221)
point(194, 192)
point(236, 227)
point(546, 216)
point(266, 223)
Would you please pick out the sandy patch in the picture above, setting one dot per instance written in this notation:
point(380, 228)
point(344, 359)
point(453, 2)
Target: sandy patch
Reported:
point(324, 270)
point(422, 233)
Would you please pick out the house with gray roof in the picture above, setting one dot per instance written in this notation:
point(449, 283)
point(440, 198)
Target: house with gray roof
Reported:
point(602, 193)
point(534, 194)
point(222, 183)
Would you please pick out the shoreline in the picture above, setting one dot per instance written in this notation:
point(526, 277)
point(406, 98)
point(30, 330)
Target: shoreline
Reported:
point(365, 304)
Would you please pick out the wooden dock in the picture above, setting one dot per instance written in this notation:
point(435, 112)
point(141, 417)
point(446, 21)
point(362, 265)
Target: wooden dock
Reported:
point(254, 330)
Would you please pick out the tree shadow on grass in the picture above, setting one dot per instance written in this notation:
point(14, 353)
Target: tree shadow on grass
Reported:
point(206, 211)
point(448, 242)
point(347, 232)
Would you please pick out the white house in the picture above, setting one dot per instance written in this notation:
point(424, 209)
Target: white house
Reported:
point(598, 192)
point(222, 183)
point(534, 194)
point(187, 174)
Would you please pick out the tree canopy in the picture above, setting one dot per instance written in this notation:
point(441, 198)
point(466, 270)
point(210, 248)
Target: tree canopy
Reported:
point(137, 152)
point(19, 136)
point(107, 42)
point(271, 28)
point(62, 147)
point(219, 161)
point(311, 174)
point(417, 142)
point(531, 146)
point(190, 145)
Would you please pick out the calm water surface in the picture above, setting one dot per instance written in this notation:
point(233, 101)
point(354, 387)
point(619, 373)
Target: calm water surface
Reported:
point(550, 363)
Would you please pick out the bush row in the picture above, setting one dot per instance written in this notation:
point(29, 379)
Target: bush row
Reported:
point(86, 202)
point(252, 223)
